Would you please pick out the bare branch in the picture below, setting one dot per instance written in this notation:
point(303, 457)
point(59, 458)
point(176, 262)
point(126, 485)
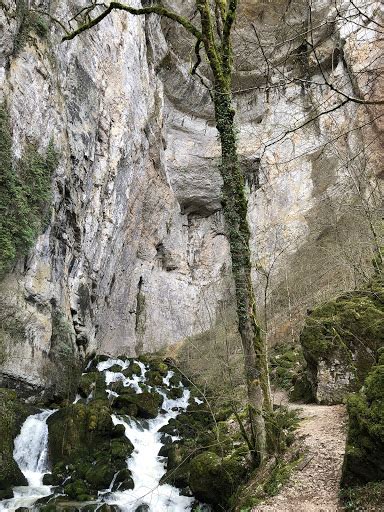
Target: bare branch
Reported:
point(153, 9)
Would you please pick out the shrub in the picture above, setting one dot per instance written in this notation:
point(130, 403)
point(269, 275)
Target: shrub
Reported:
point(25, 192)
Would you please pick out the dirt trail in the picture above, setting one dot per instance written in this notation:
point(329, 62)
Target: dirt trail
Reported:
point(314, 484)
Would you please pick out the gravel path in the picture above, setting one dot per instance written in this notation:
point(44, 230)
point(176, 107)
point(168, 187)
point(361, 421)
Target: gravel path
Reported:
point(314, 484)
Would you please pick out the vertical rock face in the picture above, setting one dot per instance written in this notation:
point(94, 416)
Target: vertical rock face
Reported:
point(121, 264)
point(135, 255)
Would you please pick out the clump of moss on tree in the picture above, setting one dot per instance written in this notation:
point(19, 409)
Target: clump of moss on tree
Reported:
point(25, 192)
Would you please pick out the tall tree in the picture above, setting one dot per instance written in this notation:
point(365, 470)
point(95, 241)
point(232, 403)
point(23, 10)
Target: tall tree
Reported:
point(213, 36)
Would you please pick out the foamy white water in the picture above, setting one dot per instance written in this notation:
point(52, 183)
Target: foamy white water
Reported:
point(146, 466)
point(31, 455)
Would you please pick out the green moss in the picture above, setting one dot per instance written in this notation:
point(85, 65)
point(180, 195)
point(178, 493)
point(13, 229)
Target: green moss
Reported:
point(29, 23)
point(278, 477)
point(214, 479)
point(286, 362)
point(281, 424)
point(85, 446)
point(12, 415)
point(348, 330)
point(367, 498)
point(364, 458)
point(92, 382)
point(25, 192)
point(147, 404)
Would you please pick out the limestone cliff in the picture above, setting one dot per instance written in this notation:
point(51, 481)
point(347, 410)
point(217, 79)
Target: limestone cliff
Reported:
point(134, 256)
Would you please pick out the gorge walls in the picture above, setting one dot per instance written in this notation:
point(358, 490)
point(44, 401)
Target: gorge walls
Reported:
point(134, 255)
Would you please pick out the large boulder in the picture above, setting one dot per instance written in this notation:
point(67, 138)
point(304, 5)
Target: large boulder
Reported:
point(86, 449)
point(143, 405)
point(364, 458)
point(12, 414)
point(340, 340)
point(214, 479)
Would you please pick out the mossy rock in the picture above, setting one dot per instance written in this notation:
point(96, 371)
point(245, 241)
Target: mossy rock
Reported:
point(154, 378)
point(340, 338)
point(85, 446)
point(78, 491)
point(364, 457)
point(147, 403)
point(75, 429)
point(92, 382)
point(12, 415)
point(213, 479)
point(100, 476)
point(133, 369)
point(124, 481)
point(175, 393)
point(93, 360)
point(367, 498)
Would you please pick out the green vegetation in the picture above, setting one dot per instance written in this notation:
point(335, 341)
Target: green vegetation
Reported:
point(286, 363)
point(25, 195)
point(349, 329)
point(12, 415)
point(266, 482)
point(29, 22)
point(85, 446)
point(63, 355)
point(364, 458)
point(367, 498)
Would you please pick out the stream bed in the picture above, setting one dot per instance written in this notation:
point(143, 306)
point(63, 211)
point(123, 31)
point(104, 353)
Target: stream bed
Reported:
point(139, 402)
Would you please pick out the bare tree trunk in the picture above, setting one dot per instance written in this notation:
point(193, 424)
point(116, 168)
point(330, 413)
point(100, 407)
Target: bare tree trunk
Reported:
point(235, 214)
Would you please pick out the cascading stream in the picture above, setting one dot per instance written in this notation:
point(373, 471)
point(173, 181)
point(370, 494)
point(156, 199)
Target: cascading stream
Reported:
point(146, 466)
point(31, 455)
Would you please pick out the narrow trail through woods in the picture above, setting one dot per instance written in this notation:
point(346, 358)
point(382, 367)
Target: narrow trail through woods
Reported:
point(314, 484)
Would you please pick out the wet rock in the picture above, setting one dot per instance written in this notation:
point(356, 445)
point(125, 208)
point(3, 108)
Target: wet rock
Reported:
point(147, 403)
point(214, 479)
point(12, 414)
point(85, 446)
point(142, 508)
point(92, 382)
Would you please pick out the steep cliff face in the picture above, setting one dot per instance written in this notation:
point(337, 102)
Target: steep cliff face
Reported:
point(121, 266)
point(135, 255)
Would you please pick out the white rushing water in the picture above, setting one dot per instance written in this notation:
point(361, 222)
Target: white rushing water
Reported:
point(146, 466)
point(31, 455)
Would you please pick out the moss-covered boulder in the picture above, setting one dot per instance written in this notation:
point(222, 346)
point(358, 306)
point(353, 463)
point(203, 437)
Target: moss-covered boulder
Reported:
point(214, 479)
point(92, 384)
point(147, 404)
point(286, 363)
point(340, 340)
point(364, 458)
point(86, 447)
point(12, 415)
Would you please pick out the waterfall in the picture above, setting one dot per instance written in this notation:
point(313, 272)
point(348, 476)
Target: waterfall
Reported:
point(31, 455)
point(146, 466)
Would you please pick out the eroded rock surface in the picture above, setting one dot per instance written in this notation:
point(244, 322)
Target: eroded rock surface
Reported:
point(134, 255)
